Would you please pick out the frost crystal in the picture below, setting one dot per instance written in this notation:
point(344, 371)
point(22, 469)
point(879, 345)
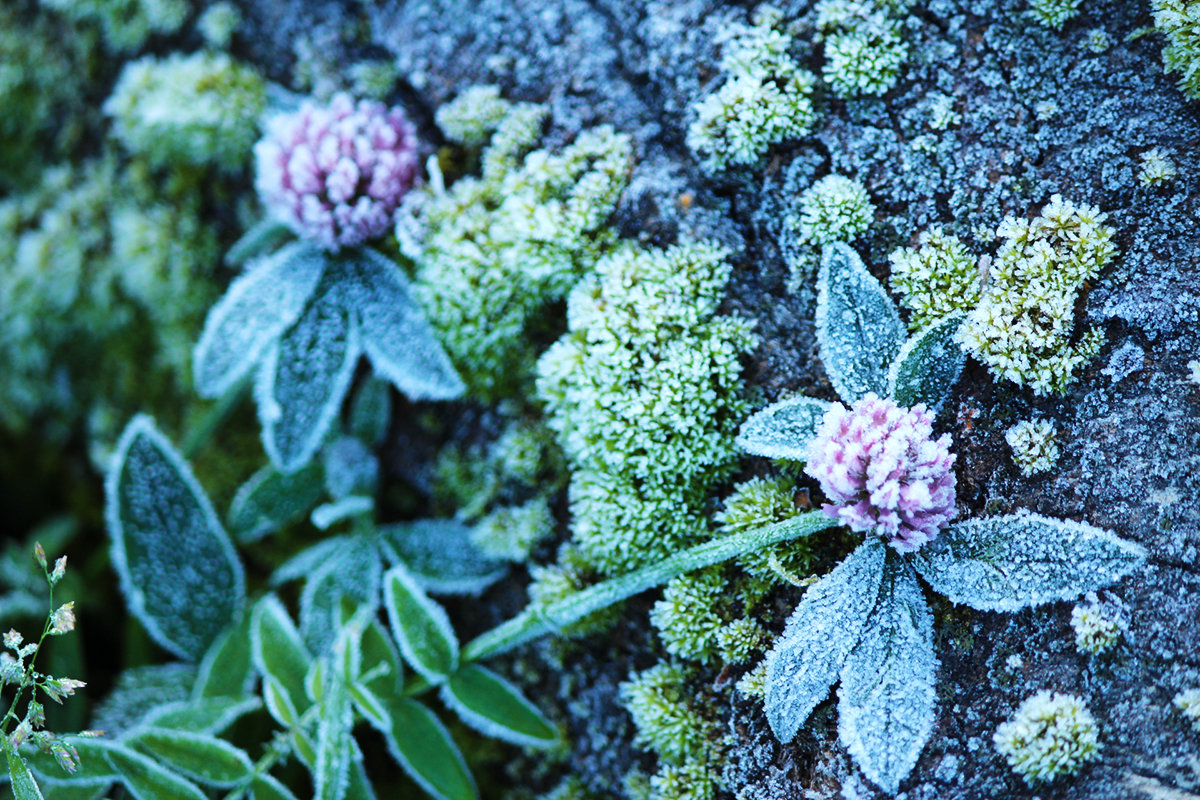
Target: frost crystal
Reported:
point(336, 174)
point(1050, 735)
point(884, 473)
point(1034, 448)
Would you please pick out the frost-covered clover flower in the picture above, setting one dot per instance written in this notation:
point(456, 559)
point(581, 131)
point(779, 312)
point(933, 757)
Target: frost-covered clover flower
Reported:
point(336, 174)
point(884, 472)
point(867, 625)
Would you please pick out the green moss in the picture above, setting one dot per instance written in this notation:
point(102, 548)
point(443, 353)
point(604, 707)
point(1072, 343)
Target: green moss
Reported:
point(667, 715)
point(1034, 445)
point(757, 503)
point(569, 574)
point(1054, 13)
point(1179, 20)
point(687, 617)
point(510, 532)
point(126, 24)
point(493, 252)
point(765, 97)
point(472, 116)
point(936, 278)
point(694, 779)
point(740, 640)
point(218, 23)
point(200, 109)
point(644, 393)
point(1050, 736)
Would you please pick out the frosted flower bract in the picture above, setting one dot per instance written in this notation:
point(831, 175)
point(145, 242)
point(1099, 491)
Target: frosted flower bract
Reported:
point(883, 471)
point(336, 174)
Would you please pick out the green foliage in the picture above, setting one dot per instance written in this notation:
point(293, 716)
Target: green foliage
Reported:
point(1095, 631)
point(1023, 329)
point(218, 23)
point(741, 639)
point(668, 717)
point(755, 504)
point(493, 251)
point(471, 117)
point(510, 532)
point(125, 24)
point(645, 344)
point(1051, 735)
point(1054, 13)
point(1178, 20)
point(834, 209)
point(200, 109)
point(936, 278)
point(765, 97)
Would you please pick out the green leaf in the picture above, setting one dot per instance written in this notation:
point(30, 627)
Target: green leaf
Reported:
point(370, 412)
point(262, 238)
point(353, 572)
point(371, 707)
point(400, 343)
point(379, 649)
point(279, 703)
point(196, 755)
point(259, 306)
point(441, 557)
point(783, 429)
point(928, 365)
point(818, 638)
point(858, 327)
point(179, 572)
point(326, 515)
point(278, 651)
point(94, 769)
point(1008, 563)
point(227, 669)
point(886, 701)
point(60, 791)
point(23, 785)
point(304, 377)
point(532, 623)
point(210, 715)
point(420, 627)
point(271, 499)
point(147, 780)
point(496, 708)
point(422, 746)
point(264, 787)
point(360, 785)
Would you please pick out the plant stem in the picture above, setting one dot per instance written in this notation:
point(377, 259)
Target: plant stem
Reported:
point(202, 433)
point(534, 622)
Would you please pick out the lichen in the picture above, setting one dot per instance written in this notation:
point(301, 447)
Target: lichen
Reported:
point(1051, 735)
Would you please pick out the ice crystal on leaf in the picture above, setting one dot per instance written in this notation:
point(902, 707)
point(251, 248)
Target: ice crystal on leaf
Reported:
point(866, 623)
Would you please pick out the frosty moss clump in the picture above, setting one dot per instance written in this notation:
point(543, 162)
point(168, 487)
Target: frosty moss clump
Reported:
point(1188, 703)
point(510, 532)
point(935, 279)
point(1051, 735)
point(1157, 168)
point(765, 97)
point(1023, 329)
point(686, 617)
point(473, 115)
point(644, 394)
point(864, 50)
point(1095, 632)
point(666, 715)
point(1179, 20)
point(495, 250)
point(1034, 447)
point(200, 109)
point(1053, 13)
point(757, 503)
point(126, 24)
point(833, 209)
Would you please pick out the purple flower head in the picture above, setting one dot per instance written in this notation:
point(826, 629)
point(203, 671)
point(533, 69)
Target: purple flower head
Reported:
point(882, 471)
point(336, 174)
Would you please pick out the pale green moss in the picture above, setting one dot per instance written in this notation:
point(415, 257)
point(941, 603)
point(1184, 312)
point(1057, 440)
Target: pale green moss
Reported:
point(1050, 736)
point(740, 640)
point(1034, 446)
point(200, 109)
point(667, 714)
point(757, 503)
point(568, 575)
point(510, 532)
point(493, 252)
point(1157, 168)
point(865, 60)
point(765, 97)
point(644, 393)
point(935, 279)
point(753, 685)
point(218, 23)
point(471, 117)
point(1054, 13)
point(687, 618)
point(1095, 632)
point(1188, 703)
point(1023, 329)
point(694, 779)
point(1180, 21)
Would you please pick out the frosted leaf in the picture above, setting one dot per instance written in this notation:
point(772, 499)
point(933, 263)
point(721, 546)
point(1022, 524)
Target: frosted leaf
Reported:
point(199, 756)
point(371, 707)
point(819, 636)
point(278, 650)
point(420, 627)
point(227, 668)
point(265, 787)
point(395, 335)
point(379, 649)
point(259, 306)
point(304, 378)
point(1008, 563)
point(327, 515)
point(146, 779)
point(350, 468)
point(928, 365)
point(886, 701)
point(496, 708)
point(331, 775)
point(370, 412)
point(24, 787)
point(140, 690)
point(271, 499)
point(858, 327)
point(308, 560)
point(179, 572)
point(260, 239)
point(421, 745)
point(783, 429)
point(441, 557)
point(211, 715)
point(352, 571)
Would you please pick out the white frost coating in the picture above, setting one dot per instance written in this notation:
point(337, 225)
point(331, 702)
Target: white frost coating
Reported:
point(858, 327)
point(1025, 559)
point(420, 626)
point(928, 365)
point(326, 515)
point(303, 380)
point(210, 715)
point(818, 638)
point(783, 429)
point(334, 722)
point(179, 572)
point(400, 343)
point(444, 775)
point(269, 499)
point(886, 700)
point(353, 571)
point(496, 708)
point(308, 559)
point(259, 305)
point(440, 556)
